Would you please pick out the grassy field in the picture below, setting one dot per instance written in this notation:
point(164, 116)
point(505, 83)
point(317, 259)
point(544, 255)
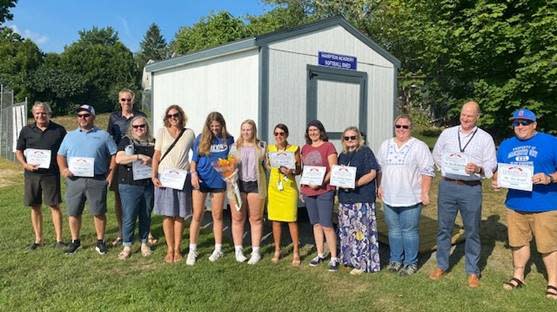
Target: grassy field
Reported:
point(49, 280)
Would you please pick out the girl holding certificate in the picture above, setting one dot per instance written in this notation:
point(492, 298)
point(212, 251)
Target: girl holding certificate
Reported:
point(210, 146)
point(359, 247)
point(250, 153)
point(283, 191)
point(170, 162)
point(134, 155)
point(319, 152)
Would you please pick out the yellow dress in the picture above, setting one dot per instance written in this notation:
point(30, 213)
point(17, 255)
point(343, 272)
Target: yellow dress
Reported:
point(282, 204)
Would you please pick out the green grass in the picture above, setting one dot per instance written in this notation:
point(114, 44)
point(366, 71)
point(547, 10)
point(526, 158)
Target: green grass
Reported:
point(48, 280)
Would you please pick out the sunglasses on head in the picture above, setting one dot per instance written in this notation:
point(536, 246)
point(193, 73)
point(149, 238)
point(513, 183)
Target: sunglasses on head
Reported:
point(177, 115)
point(522, 122)
point(280, 134)
point(125, 100)
point(402, 126)
point(139, 126)
point(350, 138)
point(83, 115)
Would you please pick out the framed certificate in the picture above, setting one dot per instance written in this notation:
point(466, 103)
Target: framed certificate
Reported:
point(82, 166)
point(140, 171)
point(455, 163)
point(40, 157)
point(518, 177)
point(343, 176)
point(173, 178)
point(282, 159)
point(313, 175)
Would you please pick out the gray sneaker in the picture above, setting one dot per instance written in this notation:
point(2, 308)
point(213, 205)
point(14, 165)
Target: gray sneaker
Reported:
point(408, 270)
point(394, 267)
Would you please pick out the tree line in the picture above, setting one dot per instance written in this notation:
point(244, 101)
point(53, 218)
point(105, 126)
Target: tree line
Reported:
point(501, 53)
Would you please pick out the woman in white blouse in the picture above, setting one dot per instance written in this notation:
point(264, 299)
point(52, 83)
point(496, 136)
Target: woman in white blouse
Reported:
point(404, 182)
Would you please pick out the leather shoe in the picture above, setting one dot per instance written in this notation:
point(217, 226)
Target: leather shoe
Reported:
point(437, 274)
point(473, 281)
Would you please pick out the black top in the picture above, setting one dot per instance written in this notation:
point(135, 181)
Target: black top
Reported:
point(364, 161)
point(32, 136)
point(118, 125)
point(125, 172)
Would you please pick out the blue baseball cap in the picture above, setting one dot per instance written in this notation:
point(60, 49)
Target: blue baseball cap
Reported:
point(87, 108)
point(524, 113)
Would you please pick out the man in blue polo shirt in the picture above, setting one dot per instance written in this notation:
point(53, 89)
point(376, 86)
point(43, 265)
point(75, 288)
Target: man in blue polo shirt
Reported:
point(531, 214)
point(84, 159)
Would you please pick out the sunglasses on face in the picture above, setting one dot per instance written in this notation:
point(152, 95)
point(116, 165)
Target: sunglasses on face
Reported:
point(402, 126)
point(177, 115)
point(139, 126)
point(350, 138)
point(522, 123)
point(83, 115)
point(279, 134)
point(125, 100)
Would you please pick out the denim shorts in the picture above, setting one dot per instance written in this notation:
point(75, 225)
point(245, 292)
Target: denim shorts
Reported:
point(320, 208)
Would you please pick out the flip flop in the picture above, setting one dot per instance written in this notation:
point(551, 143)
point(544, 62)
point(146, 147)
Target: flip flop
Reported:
point(513, 283)
point(551, 292)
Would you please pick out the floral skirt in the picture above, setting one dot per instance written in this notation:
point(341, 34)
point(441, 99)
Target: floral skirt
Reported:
point(359, 247)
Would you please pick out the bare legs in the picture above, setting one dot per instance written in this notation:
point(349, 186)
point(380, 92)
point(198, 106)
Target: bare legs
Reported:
point(37, 222)
point(277, 229)
point(321, 233)
point(173, 230)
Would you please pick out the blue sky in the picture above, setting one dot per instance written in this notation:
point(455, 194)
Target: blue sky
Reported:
point(53, 24)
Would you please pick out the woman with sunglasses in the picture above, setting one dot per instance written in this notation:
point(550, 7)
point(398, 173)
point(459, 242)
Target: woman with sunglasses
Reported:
point(359, 247)
point(135, 150)
point(283, 193)
point(250, 153)
point(318, 151)
point(172, 146)
point(404, 182)
point(118, 124)
point(213, 143)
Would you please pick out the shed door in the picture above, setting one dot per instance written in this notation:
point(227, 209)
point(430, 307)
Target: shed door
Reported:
point(338, 98)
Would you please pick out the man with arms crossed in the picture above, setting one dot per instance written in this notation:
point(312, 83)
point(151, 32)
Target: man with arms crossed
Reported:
point(84, 158)
point(465, 154)
point(531, 213)
point(41, 140)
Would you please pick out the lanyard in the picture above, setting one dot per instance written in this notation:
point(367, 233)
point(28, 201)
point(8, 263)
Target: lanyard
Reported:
point(465, 145)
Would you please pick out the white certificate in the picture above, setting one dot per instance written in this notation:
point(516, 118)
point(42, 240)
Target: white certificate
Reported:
point(313, 175)
point(173, 178)
point(518, 177)
point(282, 159)
point(82, 166)
point(140, 171)
point(455, 163)
point(40, 157)
point(343, 176)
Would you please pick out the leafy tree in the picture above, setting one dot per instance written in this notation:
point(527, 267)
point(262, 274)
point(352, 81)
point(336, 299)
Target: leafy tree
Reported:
point(152, 47)
point(5, 6)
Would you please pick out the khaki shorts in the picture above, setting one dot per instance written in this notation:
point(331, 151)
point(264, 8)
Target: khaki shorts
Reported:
point(541, 225)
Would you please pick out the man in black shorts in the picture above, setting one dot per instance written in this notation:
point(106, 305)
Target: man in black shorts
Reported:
point(37, 146)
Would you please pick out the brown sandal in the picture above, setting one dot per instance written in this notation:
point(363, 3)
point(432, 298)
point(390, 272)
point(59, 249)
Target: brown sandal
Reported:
point(551, 292)
point(513, 283)
point(296, 261)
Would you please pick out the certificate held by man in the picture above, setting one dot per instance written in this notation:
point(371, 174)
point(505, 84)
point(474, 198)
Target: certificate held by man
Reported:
point(282, 159)
point(82, 166)
point(38, 157)
point(343, 176)
point(313, 175)
point(173, 178)
point(518, 177)
point(455, 163)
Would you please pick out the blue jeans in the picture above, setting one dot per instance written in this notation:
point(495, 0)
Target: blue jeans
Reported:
point(137, 202)
point(404, 236)
point(468, 199)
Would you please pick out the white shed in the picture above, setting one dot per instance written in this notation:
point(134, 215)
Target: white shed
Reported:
point(326, 70)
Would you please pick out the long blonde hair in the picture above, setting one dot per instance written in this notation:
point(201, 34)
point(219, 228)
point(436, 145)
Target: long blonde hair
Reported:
point(207, 135)
point(148, 136)
point(240, 142)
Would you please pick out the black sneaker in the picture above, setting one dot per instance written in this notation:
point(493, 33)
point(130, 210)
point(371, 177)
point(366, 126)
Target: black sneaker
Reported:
point(73, 247)
point(59, 245)
point(394, 267)
point(316, 261)
point(33, 246)
point(333, 265)
point(101, 247)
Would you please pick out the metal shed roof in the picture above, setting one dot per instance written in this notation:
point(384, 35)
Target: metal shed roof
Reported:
point(265, 40)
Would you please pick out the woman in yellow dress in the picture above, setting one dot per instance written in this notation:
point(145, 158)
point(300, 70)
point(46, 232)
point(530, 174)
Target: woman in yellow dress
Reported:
point(283, 191)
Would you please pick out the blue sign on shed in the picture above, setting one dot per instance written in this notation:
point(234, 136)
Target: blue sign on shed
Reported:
point(337, 60)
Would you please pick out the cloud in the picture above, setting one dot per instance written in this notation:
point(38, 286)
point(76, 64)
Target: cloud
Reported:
point(26, 33)
point(125, 25)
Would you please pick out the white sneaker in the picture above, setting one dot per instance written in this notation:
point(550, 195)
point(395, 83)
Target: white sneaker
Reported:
point(255, 257)
point(190, 259)
point(240, 256)
point(216, 255)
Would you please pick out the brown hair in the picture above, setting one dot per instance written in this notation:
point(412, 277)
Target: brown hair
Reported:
point(207, 136)
point(322, 133)
point(404, 116)
point(183, 117)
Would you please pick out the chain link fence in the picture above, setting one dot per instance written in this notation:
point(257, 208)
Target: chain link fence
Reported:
point(13, 117)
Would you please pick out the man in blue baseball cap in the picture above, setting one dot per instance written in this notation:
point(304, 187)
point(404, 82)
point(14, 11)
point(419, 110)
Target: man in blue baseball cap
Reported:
point(531, 214)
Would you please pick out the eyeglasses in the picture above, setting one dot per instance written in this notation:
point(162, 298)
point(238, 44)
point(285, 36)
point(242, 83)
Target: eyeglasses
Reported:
point(279, 133)
point(522, 123)
point(177, 115)
point(350, 138)
point(83, 115)
point(402, 126)
point(138, 126)
point(125, 100)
